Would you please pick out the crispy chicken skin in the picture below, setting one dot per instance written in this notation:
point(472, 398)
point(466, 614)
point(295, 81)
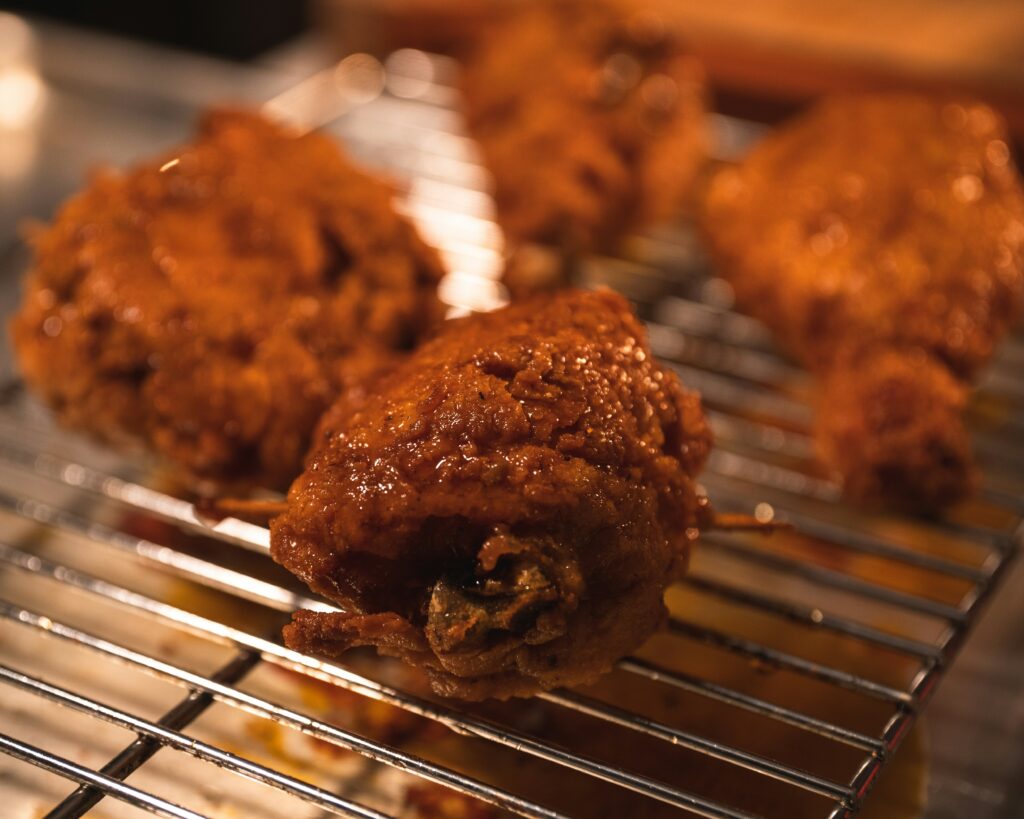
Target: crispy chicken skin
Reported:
point(213, 302)
point(891, 422)
point(510, 505)
point(590, 117)
point(873, 227)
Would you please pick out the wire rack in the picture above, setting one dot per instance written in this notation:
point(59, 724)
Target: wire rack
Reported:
point(793, 667)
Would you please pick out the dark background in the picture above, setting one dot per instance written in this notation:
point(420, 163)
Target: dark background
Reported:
point(237, 29)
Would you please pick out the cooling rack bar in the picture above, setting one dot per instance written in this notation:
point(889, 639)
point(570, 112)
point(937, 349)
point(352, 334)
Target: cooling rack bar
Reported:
point(722, 464)
point(75, 475)
point(732, 467)
point(143, 748)
point(201, 571)
point(243, 701)
point(922, 688)
point(256, 538)
point(811, 526)
point(739, 431)
point(752, 762)
point(735, 466)
point(161, 505)
point(272, 652)
point(163, 736)
point(710, 321)
point(893, 734)
point(691, 348)
point(84, 776)
point(724, 694)
point(275, 597)
point(785, 660)
point(833, 578)
point(813, 617)
point(734, 431)
point(204, 627)
point(724, 392)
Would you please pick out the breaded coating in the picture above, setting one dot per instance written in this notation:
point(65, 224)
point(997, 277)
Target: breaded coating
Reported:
point(212, 303)
point(590, 117)
point(891, 423)
point(510, 506)
point(874, 221)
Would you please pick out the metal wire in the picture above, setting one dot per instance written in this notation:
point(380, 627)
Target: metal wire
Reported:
point(79, 773)
point(285, 716)
point(814, 617)
point(276, 597)
point(775, 658)
point(758, 418)
point(74, 475)
point(165, 737)
point(836, 579)
point(273, 652)
point(747, 647)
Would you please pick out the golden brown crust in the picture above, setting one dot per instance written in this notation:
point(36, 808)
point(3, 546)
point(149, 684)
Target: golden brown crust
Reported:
point(213, 306)
point(886, 219)
point(509, 507)
point(881, 222)
point(891, 423)
point(590, 117)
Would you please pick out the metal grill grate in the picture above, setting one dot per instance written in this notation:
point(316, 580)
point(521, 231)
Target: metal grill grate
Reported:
point(860, 608)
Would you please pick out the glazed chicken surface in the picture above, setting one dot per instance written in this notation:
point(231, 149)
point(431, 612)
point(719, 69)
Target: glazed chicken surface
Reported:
point(590, 117)
point(508, 508)
point(213, 302)
point(881, 237)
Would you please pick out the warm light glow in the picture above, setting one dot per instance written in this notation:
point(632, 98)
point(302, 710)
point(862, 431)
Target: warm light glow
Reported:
point(359, 78)
point(470, 293)
point(410, 73)
point(21, 96)
point(21, 89)
point(764, 513)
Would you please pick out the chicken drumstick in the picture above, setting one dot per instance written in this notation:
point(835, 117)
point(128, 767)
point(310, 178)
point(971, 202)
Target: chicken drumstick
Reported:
point(881, 237)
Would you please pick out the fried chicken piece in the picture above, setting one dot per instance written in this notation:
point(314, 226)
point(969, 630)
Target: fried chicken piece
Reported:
point(213, 302)
point(881, 221)
point(891, 422)
point(590, 117)
point(509, 508)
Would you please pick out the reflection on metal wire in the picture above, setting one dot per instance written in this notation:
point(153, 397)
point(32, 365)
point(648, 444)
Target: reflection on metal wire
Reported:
point(356, 80)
